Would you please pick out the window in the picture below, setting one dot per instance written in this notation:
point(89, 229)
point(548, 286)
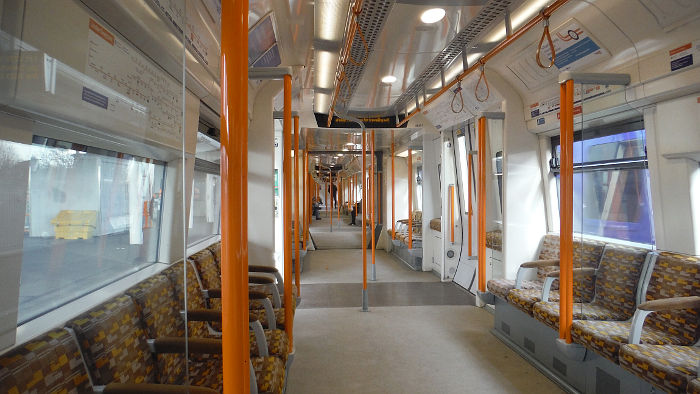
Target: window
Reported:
point(611, 183)
point(92, 217)
point(205, 209)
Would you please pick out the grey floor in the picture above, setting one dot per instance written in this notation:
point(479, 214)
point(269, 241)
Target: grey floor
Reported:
point(420, 335)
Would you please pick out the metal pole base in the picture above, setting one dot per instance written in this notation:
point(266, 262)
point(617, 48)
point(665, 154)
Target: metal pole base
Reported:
point(365, 301)
point(373, 273)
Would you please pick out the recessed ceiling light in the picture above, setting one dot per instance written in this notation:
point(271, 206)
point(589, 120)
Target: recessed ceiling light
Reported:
point(432, 15)
point(389, 79)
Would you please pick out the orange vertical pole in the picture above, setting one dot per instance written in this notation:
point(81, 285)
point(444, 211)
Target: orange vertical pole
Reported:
point(297, 227)
point(469, 203)
point(330, 192)
point(393, 194)
point(566, 183)
point(234, 197)
point(481, 195)
point(305, 199)
point(410, 198)
point(379, 197)
point(325, 194)
point(372, 196)
point(364, 223)
point(452, 213)
point(287, 170)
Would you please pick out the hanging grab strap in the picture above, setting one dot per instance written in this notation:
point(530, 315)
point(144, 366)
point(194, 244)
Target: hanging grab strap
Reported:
point(482, 77)
point(461, 98)
point(545, 33)
point(364, 42)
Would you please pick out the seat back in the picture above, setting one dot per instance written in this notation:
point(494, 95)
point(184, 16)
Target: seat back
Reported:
point(113, 342)
point(195, 298)
point(159, 310)
point(549, 249)
point(208, 270)
point(675, 275)
point(215, 249)
point(618, 276)
point(587, 254)
point(49, 364)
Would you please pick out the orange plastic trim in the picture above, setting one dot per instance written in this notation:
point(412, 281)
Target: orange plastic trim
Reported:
point(469, 204)
point(372, 194)
point(287, 171)
point(566, 256)
point(297, 228)
point(451, 192)
point(481, 196)
point(364, 209)
point(393, 194)
point(410, 198)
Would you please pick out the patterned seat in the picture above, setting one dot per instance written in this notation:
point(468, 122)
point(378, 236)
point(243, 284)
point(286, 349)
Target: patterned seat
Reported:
point(269, 374)
point(549, 249)
point(615, 289)
point(259, 314)
point(673, 275)
point(694, 387)
point(494, 240)
point(586, 254)
point(670, 368)
point(48, 364)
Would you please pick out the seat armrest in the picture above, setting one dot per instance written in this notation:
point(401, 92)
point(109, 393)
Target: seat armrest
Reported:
point(193, 345)
point(667, 304)
point(209, 315)
point(212, 293)
point(540, 263)
point(149, 388)
point(260, 339)
point(262, 268)
point(547, 287)
point(260, 280)
point(578, 272)
point(269, 311)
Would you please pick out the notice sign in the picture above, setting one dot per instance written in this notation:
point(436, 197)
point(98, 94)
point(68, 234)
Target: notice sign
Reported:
point(684, 56)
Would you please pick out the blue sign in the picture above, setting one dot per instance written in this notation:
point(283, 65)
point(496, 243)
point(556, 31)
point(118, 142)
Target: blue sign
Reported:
point(92, 97)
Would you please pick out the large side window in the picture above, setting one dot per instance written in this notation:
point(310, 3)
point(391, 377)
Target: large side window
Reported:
point(92, 217)
point(612, 196)
point(205, 206)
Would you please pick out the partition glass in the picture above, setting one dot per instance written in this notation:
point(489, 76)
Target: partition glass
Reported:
point(97, 144)
point(494, 197)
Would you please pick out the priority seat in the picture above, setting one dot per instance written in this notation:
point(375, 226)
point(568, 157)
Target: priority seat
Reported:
point(547, 261)
point(667, 317)
point(587, 254)
point(616, 281)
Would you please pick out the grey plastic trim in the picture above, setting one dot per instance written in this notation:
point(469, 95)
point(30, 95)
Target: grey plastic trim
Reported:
point(637, 325)
point(595, 78)
point(491, 115)
point(280, 114)
point(259, 73)
point(572, 351)
point(365, 301)
point(271, 320)
point(253, 379)
point(373, 273)
point(646, 276)
point(260, 339)
point(547, 288)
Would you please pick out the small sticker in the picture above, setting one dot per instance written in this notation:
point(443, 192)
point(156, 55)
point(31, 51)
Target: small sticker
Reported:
point(92, 97)
point(682, 56)
point(540, 121)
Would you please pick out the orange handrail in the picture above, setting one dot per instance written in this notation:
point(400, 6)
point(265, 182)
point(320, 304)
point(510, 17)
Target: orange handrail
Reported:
point(566, 183)
point(546, 13)
point(393, 194)
point(287, 171)
point(234, 197)
point(481, 196)
point(410, 198)
point(452, 213)
point(330, 192)
point(296, 204)
point(372, 194)
point(364, 209)
point(345, 53)
point(305, 198)
point(469, 203)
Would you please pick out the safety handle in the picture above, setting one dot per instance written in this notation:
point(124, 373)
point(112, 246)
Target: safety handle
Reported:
point(545, 33)
point(482, 77)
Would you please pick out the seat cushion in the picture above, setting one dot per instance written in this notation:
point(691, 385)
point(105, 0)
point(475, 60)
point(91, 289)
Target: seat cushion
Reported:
point(48, 364)
point(548, 313)
point(206, 372)
point(277, 344)
point(525, 299)
point(501, 287)
point(606, 337)
point(269, 374)
point(667, 367)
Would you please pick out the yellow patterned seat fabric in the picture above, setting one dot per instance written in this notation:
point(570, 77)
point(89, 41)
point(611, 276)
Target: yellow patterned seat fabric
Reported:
point(667, 367)
point(277, 344)
point(674, 275)
point(525, 299)
point(694, 387)
point(48, 364)
point(259, 314)
point(501, 287)
point(494, 239)
point(269, 374)
point(548, 313)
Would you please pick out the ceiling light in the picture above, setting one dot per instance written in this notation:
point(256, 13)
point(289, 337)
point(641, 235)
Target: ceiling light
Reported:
point(389, 79)
point(432, 15)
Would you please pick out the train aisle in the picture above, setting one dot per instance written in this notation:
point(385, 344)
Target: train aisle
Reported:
point(420, 335)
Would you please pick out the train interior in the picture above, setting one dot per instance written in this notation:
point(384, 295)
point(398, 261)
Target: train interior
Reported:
point(402, 196)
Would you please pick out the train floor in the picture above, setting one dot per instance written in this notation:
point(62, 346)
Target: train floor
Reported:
point(419, 336)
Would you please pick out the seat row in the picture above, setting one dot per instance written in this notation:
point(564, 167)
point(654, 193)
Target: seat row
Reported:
point(401, 227)
point(632, 306)
point(135, 342)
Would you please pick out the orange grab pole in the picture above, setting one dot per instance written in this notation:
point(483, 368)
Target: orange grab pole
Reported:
point(372, 196)
point(330, 192)
point(566, 130)
point(393, 194)
point(469, 203)
point(325, 195)
point(304, 201)
point(379, 197)
point(481, 195)
point(410, 198)
point(297, 229)
point(234, 197)
point(287, 170)
point(452, 213)
point(546, 13)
